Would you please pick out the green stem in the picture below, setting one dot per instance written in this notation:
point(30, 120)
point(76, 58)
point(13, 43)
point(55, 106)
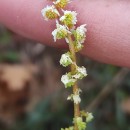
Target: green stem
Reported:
point(75, 87)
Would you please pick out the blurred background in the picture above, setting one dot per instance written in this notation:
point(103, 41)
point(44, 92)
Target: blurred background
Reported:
point(32, 96)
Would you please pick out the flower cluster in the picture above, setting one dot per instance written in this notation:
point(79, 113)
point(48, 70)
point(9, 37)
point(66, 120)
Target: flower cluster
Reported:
point(81, 121)
point(50, 12)
point(69, 18)
point(61, 3)
point(69, 79)
point(88, 116)
point(75, 97)
point(60, 32)
point(80, 34)
point(66, 59)
point(81, 124)
point(75, 37)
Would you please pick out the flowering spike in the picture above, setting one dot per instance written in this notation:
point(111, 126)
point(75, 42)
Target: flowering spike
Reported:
point(75, 37)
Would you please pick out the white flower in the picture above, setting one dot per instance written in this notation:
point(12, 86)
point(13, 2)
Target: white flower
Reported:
point(61, 3)
point(81, 72)
point(67, 80)
point(66, 59)
point(50, 12)
point(60, 32)
point(89, 117)
point(69, 18)
point(80, 34)
point(76, 99)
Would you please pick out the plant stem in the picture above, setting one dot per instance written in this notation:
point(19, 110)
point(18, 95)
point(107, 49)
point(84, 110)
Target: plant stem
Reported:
point(75, 87)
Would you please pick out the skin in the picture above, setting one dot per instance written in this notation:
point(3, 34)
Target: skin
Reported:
point(108, 24)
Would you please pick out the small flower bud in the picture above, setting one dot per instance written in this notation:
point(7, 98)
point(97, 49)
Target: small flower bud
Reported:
point(67, 80)
point(80, 34)
point(89, 117)
point(70, 97)
point(61, 3)
point(69, 18)
point(50, 12)
point(60, 32)
point(66, 59)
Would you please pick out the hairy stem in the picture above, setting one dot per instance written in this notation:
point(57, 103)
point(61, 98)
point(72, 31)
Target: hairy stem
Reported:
point(75, 87)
